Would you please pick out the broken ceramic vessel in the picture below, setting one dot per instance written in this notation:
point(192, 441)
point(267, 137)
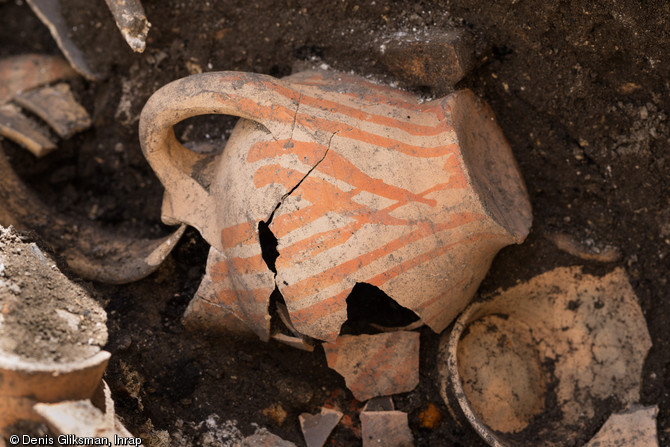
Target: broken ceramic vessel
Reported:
point(542, 356)
point(358, 183)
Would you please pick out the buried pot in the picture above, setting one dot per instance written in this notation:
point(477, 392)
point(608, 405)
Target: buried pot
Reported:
point(539, 360)
point(51, 334)
point(329, 181)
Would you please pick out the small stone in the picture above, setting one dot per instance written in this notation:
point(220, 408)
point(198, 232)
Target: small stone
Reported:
point(430, 418)
point(437, 59)
point(569, 244)
point(193, 67)
point(276, 412)
point(628, 88)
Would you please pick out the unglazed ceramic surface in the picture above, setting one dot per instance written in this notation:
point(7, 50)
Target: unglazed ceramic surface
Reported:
point(359, 183)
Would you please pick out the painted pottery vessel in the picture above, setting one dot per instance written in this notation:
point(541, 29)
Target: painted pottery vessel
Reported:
point(358, 183)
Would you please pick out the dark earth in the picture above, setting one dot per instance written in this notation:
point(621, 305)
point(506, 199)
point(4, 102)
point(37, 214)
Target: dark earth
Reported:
point(580, 90)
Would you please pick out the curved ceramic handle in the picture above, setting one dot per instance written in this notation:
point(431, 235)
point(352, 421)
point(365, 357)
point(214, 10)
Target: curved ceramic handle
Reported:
point(260, 98)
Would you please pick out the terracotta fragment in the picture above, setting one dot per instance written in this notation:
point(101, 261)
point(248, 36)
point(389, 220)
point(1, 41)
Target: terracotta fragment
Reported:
point(296, 342)
point(82, 419)
point(285, 318)
point(317, 427)
point(385, 429)
point(202, 314)
point(26, 384)
point(115, 258)
point(238, 315)
point(49, 12)
point(410, 327)
point(634, 428)
point(358, 182)
point(57, 107)
point(132, 22)
point(21, 129)
point(263, 438)
point(376, 365)
point(591, 329)
point(89, 251)
point(27, 71)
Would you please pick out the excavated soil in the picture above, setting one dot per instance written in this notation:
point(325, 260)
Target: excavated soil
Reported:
point(580, 90)
point(44, 317)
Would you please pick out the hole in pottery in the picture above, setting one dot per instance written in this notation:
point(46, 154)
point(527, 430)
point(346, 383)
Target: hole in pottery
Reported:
point(277, 323)
point(205, 134)
point(269, 244)
point(369, 308)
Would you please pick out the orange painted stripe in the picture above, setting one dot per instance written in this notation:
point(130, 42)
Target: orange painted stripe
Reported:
point(273, 174)
point(392, 98)
point(305, 288)
point(342, 169)
point(261, 82)
point(321, 308)
point(339, 167)
point(385, 90)
point(357, 113)
point(380, 94)
point(398, 269)
point(347, 131)
point(326, 197)
point(284, 115)
point(236, 266)
point(309, 152)
point(238, 235)
point(315, 244)
point(310, 316)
